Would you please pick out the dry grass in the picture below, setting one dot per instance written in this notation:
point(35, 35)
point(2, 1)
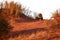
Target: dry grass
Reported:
point(50, 32)
point(50, 28)
point(39, 35)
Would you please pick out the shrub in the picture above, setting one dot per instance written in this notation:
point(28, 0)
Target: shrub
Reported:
point(4, 28)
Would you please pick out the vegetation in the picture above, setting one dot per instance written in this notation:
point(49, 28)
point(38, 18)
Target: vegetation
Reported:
point(56, 16)
point(5, 28)
point(50, 32)
point(10, 9)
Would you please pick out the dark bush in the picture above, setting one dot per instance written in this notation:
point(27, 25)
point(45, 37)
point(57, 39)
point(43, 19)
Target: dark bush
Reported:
point(4, 28)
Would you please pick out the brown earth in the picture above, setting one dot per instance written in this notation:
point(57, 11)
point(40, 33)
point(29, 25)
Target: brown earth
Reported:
point(29, 29)
point(19, 24)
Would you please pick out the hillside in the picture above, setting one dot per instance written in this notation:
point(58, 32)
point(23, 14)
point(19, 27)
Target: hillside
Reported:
point(27, 29)
point(26, 24)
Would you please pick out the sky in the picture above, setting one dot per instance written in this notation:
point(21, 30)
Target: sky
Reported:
point(46, 7)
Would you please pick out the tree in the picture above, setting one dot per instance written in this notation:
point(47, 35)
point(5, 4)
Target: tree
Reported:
point(5, 28)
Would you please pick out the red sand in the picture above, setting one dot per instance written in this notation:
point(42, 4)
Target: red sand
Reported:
point(25, 25)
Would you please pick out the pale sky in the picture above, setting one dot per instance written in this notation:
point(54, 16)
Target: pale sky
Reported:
point(46, 7)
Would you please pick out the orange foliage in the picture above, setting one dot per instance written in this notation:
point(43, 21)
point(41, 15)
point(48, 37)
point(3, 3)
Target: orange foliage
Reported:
point(56, 16)
point(11, 9)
